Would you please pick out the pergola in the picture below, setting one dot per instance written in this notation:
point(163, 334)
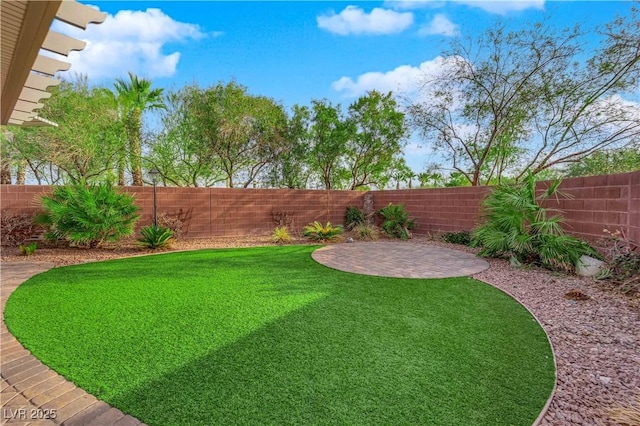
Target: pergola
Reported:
point(26, 72)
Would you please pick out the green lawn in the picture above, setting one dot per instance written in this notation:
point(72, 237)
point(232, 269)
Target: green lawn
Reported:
point(267, 336)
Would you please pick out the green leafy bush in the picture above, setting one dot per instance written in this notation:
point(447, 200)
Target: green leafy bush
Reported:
point(318, 232)
point(396, 221)
point(29, 249)
point(155, 237)
point(15, 229)
point(281, 235)
point(354, 217)
point(461, 237)
point(88, 215)
point(365, 232)
point(518, 227)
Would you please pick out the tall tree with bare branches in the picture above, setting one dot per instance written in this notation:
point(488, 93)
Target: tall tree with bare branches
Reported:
point(513, 102)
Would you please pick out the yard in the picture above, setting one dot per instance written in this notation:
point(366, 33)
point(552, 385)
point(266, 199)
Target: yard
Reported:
point(268, 336)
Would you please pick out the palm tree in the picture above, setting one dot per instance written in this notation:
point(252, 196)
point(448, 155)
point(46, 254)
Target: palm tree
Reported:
point(135, 97)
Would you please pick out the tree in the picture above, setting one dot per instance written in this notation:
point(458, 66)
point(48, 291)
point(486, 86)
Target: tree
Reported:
point(182, 158)
point(399, 172)
point(83, 144)
point(379, 131)
point(242, 133)
point(607, 162)
point(136, 96)
point(290, 168)
point(329, 133)
point(518, 101)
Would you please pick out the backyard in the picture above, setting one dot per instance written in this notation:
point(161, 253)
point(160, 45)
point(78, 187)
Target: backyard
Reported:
point(266, 334)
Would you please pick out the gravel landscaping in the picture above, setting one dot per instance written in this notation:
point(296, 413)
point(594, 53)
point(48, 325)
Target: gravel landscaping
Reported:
point(596, 341)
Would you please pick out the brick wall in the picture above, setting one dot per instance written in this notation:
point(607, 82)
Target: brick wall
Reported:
point(215, 211)
point(437, 210)
point(598, 202)
point(595, 203)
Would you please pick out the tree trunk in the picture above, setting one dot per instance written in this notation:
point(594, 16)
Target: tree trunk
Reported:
point(21, 172)
point(5, 164)
point(121, 165)
point(135, 147)
point(5, 172)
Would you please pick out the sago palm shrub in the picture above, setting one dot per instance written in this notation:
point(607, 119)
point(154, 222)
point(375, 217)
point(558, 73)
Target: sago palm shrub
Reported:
point(319, 232)
point(516, 226)
point(396, 221)
point(88, 214)
point(155, 237)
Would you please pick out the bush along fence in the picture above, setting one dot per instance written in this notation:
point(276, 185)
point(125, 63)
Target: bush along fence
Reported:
point(595, 203)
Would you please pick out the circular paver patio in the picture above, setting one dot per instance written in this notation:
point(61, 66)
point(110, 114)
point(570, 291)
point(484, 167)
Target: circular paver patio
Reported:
point(399, 259)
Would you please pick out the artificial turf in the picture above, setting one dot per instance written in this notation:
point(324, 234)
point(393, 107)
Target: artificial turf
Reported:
point(268, 336)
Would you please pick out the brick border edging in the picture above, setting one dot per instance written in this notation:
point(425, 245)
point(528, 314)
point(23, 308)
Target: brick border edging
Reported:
point(46, 396)
point(547, 405)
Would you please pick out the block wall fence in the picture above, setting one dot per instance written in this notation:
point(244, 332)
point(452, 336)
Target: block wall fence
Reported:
point(595, 203)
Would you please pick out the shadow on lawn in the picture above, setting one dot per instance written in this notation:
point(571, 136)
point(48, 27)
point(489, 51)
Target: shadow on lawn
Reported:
point(346, 360)
point(349, 349)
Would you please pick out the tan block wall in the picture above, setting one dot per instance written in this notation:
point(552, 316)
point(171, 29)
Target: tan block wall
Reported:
point(437, 210)
point(208, 212)
point(596, 203)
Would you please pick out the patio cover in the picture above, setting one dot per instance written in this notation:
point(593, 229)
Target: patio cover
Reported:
point(26, 73)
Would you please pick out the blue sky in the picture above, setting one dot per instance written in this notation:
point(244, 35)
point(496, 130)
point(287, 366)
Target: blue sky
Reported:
point(295, 51)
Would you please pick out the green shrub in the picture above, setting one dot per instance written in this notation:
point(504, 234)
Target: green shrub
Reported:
point(396, 221)
point(365, 232)
point(517, 227)
point(316, 231)
point(281, 235)
point(354, 217)
point(88, 215)
point(461, 237)
point(29, 249)
point(155, 237)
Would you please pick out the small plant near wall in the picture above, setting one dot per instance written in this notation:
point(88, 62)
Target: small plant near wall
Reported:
point(461, 237)
point(365, 232)
point(173, 223)
point(517, 227)
point(15, 229)
point(622, 257)
point(282, 218)
point(29, 249)
point(318, 232)
point(354, 217)
point(396, 221)
point(281, 235)
point(155, 237)
point(88, 214)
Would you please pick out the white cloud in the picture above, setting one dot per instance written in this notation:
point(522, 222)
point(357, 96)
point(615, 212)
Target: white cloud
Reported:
point(405, 79)
point(505, 7)
point(440, 25)
point(131, 41)
point(413, 4)
point(354, 20)
point(500, 7)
